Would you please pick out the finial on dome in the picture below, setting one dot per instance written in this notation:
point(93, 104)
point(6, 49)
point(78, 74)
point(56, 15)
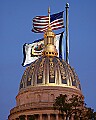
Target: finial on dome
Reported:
point(49, 35)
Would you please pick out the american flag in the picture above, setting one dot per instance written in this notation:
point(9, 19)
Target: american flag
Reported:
point(40, 23)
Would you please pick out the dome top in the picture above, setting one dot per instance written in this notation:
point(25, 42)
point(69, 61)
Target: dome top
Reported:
point(49, 71)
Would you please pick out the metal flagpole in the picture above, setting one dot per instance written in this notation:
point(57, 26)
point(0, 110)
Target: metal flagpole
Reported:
point(67, 34)
point(49, 15)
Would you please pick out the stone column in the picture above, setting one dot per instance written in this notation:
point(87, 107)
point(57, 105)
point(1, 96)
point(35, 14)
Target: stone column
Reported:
point(72, 117)
point(40, 116)
point(26, 117)
point(48, 116)
point(57, 117)
point(65, 118)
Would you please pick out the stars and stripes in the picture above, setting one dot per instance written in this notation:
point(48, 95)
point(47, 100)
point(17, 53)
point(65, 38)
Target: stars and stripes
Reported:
point(40, 23)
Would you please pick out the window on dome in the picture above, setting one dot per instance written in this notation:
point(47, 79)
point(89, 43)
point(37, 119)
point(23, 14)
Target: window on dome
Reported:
point(51, 75)
point(40, 77)
point(74, 83)
point(64, 81)
point(79, 86)
point(29, 82)
point(39, 81)
point(40, 74)
point(51, 79)
point(21, 85)
point(51, 71)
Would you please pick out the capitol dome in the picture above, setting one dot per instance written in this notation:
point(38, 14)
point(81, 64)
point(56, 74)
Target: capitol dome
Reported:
point(49, 71)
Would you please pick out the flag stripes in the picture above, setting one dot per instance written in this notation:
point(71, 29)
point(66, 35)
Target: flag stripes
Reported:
point(40, 23)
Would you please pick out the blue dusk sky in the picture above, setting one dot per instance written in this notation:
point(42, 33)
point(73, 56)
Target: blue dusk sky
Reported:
point(15, 30)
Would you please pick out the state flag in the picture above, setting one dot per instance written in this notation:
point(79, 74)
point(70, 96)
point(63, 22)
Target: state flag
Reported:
point(33, 51)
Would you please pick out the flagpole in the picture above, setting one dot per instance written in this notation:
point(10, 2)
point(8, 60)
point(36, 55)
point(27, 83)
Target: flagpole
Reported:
point(67, 34)
point(49, 15)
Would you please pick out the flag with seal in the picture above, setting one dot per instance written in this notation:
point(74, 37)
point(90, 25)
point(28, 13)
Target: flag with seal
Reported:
point(32, 51)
